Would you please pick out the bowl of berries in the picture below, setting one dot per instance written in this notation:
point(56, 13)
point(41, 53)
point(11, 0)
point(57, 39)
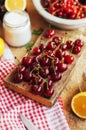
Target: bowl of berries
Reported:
point(64, 14)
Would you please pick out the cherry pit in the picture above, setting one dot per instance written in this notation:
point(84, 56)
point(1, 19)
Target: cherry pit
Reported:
point(47, 62)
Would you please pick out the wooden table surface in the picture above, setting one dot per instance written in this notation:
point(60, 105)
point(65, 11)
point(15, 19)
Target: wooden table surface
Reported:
point(37, 22)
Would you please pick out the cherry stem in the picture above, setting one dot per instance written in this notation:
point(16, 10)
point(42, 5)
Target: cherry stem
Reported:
point(47, 84)
point(49, 26)
point(17, 61)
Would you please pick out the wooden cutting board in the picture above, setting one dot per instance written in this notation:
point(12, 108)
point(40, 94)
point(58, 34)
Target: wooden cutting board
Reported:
point(59, 86)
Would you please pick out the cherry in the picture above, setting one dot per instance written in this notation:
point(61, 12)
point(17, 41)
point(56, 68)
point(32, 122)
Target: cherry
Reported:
point(78, 42)
point(63, 47)
point(56, 5)
point(52, 1)
point(68, 59)
point(49, 82)
point(52, 9)
point(27, 75)
point(20, 68)
point(26, 61)
point(49, 33)
point(49, 53)
point(44, 61)
point(58, 54)
point(51, 45)
point(37, 89)
point(53, 69)
point(76, 49)
point(42, 47)
point(44, 72)
point(57, 40)
point(48, 89)
point(18, 77)
point(56, 76)
point(36, 80)
point(55, 61)
point(48, 92)
point(62, 66)
point(45, 3)
point(36, 51)
point(69, 44)
point(83, 2)
point(35, 59)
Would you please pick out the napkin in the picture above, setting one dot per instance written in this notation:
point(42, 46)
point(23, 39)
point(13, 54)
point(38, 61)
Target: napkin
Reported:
point(12, 103)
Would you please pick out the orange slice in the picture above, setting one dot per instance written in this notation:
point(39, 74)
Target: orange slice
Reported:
point(78, 104)
point(11, 5)
point(2, 47)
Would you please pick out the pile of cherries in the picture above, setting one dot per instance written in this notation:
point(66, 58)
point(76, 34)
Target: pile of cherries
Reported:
point(68, 9)
point(46, 63)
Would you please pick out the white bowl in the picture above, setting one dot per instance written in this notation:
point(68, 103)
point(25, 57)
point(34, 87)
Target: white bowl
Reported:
point(56, 21)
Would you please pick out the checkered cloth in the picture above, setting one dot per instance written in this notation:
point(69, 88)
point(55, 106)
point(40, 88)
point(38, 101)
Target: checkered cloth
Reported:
point(12, 103)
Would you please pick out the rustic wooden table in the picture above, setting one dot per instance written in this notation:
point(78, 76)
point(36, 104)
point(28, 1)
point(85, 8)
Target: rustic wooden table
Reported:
point(37, 22)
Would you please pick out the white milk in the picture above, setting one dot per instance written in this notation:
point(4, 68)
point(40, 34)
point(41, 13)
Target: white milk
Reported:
point(17, 28)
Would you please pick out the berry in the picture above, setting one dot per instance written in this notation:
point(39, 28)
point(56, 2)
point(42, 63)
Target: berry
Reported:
point(68, 59)
point(76, 49)
point(78, 42)
point(62, 67)
point(49, 33)
point(18, 77)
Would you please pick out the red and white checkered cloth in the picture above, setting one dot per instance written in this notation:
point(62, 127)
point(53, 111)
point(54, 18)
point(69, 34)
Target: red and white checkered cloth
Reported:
point(12, 103)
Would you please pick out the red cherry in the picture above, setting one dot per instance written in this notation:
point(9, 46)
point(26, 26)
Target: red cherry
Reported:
point(76, 49)
point(49, 33)
point(18, 77)
point(56, 5)
point(44, 61)
point(44, 72)
point(44, 3)
point(58, 54)
point(27, 75)
point(62, 67)
point(48, 92)
point(57, 40)
point(49, 53)
point(36, 51)
point(51, 45)
point(48, 83)
point(36, 80)
point(69, 44)
point(56, 61)
point(68, 59)
point(20, 69)
point(42, 47)
point(53, 69)
point(83, 2)
point(56, 76)
point(52, 1)
point(63, 47)
point(37, 89)
point(52, 9)
point(26, 61)
point(78, 42)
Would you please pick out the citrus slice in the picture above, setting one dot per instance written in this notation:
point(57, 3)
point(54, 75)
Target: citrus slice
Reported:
point(2, 47)
point(11, 5)
point(78, 104)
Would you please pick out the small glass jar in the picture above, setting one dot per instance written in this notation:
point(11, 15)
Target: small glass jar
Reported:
point(17, 28)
